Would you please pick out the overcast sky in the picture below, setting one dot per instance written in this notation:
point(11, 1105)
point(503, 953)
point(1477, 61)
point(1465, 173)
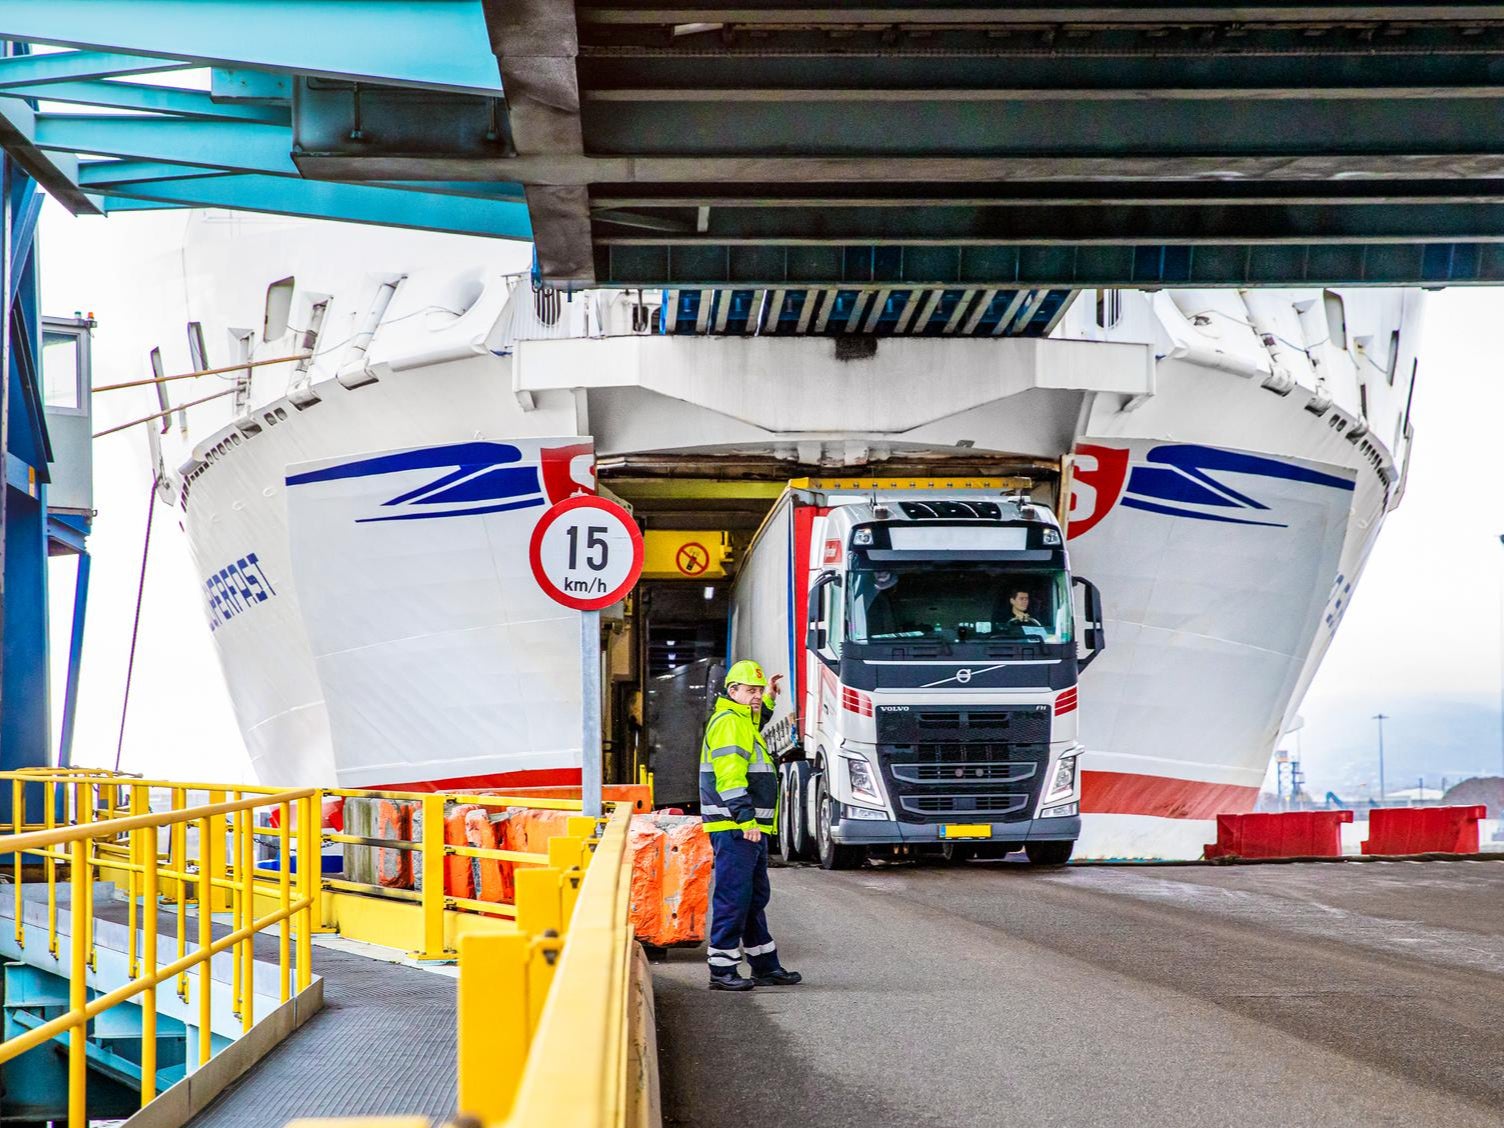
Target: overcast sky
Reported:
point(1421, 641)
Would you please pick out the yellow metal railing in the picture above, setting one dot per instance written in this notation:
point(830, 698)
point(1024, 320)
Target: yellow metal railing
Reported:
point(549, 1008)
point(98, 826)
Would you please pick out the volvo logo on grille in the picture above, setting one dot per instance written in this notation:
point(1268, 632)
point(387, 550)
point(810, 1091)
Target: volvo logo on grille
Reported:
point(963, 676)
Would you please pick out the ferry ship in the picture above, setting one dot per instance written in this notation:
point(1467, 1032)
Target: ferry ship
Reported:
point(360, 515)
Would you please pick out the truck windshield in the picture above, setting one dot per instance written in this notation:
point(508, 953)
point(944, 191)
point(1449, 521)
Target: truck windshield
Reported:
point(933, 602)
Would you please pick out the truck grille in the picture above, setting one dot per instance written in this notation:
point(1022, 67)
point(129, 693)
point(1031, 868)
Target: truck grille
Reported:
point(964, 772)
point(963, 804)
point(977, 761)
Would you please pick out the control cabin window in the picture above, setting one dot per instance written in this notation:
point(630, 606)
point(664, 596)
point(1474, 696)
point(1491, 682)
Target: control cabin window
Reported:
point(60, 372)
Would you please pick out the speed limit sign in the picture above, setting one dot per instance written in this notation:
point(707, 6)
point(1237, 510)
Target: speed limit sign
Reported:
point(586, 553)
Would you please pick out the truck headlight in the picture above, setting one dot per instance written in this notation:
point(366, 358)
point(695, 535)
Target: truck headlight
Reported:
point(1064, 781)
point(1064, 810)
point(862, 813)
point(862, 538)
point(859, 773)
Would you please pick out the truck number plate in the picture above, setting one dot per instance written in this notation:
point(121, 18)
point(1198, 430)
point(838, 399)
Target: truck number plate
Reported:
point(966, 830)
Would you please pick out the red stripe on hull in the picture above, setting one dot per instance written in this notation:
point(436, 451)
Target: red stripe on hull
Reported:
point(1126, 793)
point(535, 777)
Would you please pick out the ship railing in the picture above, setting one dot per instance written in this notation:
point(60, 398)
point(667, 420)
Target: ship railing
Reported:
point(71, 829)
point(554, 1003)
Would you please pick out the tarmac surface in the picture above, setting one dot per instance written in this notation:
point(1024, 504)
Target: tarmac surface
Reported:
point(1367, 993)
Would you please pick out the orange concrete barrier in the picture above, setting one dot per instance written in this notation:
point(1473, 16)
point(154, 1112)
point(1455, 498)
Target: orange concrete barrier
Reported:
point(1290, 834)
point(671, 868)
point(459, 874)
point(484, 829)
point(1424, 830)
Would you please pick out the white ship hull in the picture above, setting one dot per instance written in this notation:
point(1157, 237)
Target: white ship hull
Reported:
point(1224, 507)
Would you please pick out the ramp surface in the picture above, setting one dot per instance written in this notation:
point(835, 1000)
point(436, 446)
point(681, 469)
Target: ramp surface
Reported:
point(1356, 994)
point(383, 1044)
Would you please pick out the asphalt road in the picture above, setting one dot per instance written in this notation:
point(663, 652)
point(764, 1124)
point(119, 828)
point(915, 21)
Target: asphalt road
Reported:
point(1355, 994)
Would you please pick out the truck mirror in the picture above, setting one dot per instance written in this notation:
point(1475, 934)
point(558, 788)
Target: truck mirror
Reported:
point(1093, 633)
point(815, 640)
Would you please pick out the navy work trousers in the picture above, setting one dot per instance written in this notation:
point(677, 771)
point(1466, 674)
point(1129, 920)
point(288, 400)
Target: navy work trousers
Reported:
point(738, 917)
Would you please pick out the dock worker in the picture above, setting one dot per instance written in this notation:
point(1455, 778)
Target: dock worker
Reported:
point(738, 795)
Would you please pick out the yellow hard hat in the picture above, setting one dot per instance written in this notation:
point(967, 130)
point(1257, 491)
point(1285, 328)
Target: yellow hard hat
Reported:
point(746, 672)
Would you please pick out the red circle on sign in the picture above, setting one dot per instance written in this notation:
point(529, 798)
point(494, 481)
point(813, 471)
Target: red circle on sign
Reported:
point(686, 561)
point(608, 510)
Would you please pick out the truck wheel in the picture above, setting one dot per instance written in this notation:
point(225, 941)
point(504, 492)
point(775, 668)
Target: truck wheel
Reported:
point(832, 855)
point(1049, 853)
point(793, 843)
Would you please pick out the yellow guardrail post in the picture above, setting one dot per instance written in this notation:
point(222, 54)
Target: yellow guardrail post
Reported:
point(432, 844)
point(284, 898)
point(214, 895)
point(78, 991)
point(18, 824)
point(494, 1023)
point(149, 998)
point(206, 873)
point(247, 951)
point(310, 813)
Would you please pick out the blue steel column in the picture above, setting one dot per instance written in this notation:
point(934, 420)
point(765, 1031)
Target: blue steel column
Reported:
point(24, 451)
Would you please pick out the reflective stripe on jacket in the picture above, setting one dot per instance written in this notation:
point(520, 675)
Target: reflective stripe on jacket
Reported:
point(738, 779)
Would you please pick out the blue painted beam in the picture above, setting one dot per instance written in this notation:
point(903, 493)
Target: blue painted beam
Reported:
point(56, 172)
point(28, 70)
point(151, 99)
point(323, 199)
point(97, 174)
point(240, 146)
point(439, 44)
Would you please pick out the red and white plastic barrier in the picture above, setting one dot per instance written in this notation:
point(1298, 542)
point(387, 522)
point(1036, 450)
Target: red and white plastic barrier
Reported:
point(1424, 830)
point(1291, 834)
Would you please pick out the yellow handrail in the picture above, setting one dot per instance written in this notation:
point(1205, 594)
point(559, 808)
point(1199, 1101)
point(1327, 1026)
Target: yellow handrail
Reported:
point(128, 843)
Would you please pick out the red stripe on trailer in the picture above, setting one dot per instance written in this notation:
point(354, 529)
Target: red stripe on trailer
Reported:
point(1128, 793)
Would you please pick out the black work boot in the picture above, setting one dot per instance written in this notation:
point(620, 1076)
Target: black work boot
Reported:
point(779, 977)
point(731, 982)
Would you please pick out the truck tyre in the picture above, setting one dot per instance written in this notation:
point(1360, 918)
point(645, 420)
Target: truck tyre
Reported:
point(1049, 853)
point(832, 855)
point(793, 836)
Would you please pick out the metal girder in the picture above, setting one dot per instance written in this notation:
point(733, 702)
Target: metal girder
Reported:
point(977, 11)
point(151, 99)
point(438, 44)
point(95, 175)
point(237, 146)
point(62, 66)
point(1064, 267)
point(356, 203)
point(536, 42)
point(1084, 225)
point(57, 173)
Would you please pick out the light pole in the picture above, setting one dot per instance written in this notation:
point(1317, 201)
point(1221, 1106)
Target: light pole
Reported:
point(1381, 718)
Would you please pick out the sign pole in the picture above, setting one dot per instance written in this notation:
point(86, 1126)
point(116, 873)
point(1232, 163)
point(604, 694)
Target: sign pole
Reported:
point(591, 772)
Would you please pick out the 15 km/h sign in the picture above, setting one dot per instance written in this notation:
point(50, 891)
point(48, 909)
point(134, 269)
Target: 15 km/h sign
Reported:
point(586, 553)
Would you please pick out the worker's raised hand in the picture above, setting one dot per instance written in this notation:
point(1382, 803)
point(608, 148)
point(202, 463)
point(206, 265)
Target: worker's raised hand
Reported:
point(775, 687)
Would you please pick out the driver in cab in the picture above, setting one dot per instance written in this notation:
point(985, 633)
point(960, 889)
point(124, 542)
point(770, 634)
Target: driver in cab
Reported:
point(1018, 614)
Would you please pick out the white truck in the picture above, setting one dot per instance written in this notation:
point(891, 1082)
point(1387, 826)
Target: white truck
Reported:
point(930, 646)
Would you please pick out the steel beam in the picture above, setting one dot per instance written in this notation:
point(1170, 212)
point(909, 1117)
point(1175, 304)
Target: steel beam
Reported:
point(149, 99)
point(62, 66)
point(536, 43)
point(95, 175)
point(938, 223)
point(979, 12)
point(1063, 267)
point(237, 146)
point(56, 172)
point(356, 203)
point(439, 44)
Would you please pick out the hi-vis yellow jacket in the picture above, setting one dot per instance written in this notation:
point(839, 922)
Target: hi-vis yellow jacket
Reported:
point(738, 779)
